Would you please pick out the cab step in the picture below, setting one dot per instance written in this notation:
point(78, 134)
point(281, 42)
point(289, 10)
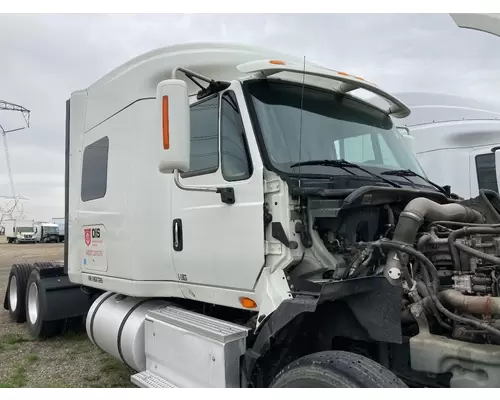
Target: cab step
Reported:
point(191, 350)
point(146, 379)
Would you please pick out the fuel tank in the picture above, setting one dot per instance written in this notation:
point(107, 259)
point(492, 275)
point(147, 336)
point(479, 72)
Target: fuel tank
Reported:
point(115, 324)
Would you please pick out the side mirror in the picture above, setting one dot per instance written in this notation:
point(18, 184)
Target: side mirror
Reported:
point(408, 139)
point(173, 125)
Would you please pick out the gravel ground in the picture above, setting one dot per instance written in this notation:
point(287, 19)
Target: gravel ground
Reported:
point(70, 360)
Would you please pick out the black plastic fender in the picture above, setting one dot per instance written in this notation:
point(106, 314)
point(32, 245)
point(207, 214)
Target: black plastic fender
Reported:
point(62, 298)
point(373, 301)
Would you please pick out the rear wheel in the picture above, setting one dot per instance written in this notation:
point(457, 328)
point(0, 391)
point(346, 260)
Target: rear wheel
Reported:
point(16, 291)
point(336, 369)
point(35, 310)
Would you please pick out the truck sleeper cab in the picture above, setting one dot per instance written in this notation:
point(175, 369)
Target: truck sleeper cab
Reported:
point(283, 232)
point(457, 140)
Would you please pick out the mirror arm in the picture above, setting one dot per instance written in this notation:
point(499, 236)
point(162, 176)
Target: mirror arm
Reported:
point(189, 74)
point(404, 128)
point(226, 193)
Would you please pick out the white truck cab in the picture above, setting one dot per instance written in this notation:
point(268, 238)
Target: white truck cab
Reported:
point(295, 239)
point(19, 231)
point(46, 232)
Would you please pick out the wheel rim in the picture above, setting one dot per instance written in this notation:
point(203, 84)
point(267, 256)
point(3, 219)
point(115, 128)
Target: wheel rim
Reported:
point(13, 293)
point(33, 303)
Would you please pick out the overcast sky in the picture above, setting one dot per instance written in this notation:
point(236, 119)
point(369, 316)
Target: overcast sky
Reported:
point(46, 57)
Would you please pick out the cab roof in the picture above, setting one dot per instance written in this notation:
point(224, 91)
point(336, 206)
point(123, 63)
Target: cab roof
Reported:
point(138, 78)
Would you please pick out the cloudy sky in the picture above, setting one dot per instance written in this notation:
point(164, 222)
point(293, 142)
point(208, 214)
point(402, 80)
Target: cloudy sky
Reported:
point(46, 57)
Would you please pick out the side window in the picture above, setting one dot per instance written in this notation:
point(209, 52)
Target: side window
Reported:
point(387, 154)
point(204, 157)
point(357, 149)
point(235, 158)
point(486, 172)
point(95, 170)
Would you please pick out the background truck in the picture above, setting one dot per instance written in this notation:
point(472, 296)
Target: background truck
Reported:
point(46, 232)
point(60, 224)
point(288, 250)
point(457, 140)
point(19, 230)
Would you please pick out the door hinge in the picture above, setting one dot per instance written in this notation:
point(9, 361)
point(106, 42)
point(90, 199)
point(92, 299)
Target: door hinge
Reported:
point(271, 186)
point(272, 248)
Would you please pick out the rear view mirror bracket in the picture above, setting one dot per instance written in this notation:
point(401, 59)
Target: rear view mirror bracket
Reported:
point(226, 193)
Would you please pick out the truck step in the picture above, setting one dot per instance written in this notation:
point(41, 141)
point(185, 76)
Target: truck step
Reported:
point(206, 326)
point(146, 379)
point(192, 350)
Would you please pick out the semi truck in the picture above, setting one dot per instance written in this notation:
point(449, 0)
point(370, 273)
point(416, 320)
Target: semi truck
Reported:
point(46, 232)
point(19, 230)
point(288, 248)
point(457, 140)
point(60, 224)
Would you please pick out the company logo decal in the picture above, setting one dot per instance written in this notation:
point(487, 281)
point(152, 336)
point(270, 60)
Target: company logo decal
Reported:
point(88, 236)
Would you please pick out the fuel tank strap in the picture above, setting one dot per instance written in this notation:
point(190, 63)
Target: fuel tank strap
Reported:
point(120, 330)
point(93, 317)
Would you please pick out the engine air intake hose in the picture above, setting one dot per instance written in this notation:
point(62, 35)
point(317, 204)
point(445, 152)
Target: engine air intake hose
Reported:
point(411, 219)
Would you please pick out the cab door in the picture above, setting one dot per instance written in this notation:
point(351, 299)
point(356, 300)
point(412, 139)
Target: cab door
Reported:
point(217, 243)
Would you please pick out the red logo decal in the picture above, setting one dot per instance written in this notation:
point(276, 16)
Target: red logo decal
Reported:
point(88, 237)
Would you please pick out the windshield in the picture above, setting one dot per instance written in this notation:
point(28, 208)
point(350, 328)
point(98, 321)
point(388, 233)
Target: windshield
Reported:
point(333, 127)
point(24, 229)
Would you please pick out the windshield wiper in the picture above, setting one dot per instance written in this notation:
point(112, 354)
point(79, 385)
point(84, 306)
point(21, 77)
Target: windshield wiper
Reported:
point(343, 164)
point(404, 173)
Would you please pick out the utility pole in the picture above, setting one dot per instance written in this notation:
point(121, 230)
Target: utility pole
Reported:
point(7, 106)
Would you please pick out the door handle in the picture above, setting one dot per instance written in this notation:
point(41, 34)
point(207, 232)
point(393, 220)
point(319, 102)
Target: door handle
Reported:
point(177, 234)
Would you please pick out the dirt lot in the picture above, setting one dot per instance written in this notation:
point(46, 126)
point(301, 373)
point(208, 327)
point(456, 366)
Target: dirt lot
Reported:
point(66, 361)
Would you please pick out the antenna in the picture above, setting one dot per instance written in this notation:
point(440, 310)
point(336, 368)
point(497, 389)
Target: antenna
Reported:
point(301, 112)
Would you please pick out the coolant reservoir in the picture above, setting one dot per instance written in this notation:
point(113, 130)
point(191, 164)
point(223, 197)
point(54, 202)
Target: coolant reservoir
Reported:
point(115, 324)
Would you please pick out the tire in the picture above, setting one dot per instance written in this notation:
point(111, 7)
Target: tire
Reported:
point(335, 369)
point(35, 310)
point(16, 290)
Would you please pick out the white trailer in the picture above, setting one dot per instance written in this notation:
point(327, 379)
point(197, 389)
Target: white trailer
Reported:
point(46, 232)
point(19, 231)
point(61, 224)
point(286, 250)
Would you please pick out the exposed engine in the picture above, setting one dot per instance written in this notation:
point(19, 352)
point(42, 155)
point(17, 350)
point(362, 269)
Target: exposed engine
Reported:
point(446, 256)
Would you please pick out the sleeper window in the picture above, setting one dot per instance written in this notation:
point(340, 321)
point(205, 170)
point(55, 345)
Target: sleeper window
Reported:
point(95, 170)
